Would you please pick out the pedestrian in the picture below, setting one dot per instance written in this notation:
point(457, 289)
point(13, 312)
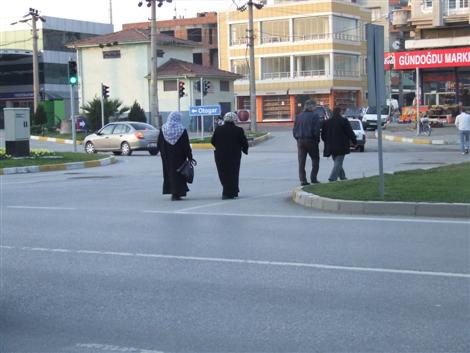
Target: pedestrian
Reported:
point(229, 141)
point(307, 133)
point(337, 134)
point(462, 121)
point(173, 145)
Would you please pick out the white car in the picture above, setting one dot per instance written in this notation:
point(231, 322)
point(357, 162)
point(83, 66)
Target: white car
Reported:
point(370, 117)
point(356, 125)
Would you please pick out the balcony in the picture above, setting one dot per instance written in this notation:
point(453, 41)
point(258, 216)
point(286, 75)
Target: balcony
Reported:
point(310, 73)
point(275, 75)
point(346, 73)
point(401, 17)
point(239, 41)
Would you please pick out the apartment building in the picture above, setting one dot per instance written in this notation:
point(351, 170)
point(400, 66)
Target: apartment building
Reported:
point(439, 47)
point(201, 29)
point(303, 49)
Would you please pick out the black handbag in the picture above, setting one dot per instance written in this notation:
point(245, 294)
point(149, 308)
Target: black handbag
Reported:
point(187, 170)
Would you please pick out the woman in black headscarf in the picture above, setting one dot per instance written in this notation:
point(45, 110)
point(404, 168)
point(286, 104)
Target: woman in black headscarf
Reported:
point(229, 141)
point(174, 147)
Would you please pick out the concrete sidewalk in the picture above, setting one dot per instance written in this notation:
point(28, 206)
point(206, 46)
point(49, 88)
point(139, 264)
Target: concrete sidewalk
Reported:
point(405, 133)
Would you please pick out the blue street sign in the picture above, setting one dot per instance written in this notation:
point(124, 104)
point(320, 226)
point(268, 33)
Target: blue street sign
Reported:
point(198, 110)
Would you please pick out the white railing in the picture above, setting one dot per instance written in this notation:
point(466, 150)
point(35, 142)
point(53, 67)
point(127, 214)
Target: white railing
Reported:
point(274, 39)
point(346, 36)
point(346, 73)
point(239, 41)
point(310, 73)
point(317, 36)
point(275, 75)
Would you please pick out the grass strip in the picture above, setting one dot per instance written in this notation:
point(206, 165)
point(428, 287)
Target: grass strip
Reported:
point(61, 157)
point(442, 184)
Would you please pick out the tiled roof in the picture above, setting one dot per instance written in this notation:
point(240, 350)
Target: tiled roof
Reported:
point(175, 67)
point(130, 36)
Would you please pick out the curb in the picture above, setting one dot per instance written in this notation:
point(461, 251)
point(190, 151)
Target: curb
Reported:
point(251, 143)
point(392, 208)
point(57, 167)
point(54, 139)
point(417, 141)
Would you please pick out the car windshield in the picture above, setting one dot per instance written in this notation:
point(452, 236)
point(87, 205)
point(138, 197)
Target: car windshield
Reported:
point(351, 111)
point(142, 126)
point(373, 110)
point(356, 125)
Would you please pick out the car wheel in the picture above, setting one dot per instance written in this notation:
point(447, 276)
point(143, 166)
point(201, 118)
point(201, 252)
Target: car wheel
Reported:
point(126, 149)
point(361, 148)
point(117, 153)
point(90, 147)
point(153, 152)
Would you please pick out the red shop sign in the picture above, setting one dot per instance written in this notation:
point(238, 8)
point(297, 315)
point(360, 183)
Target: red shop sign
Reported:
point(407, 60)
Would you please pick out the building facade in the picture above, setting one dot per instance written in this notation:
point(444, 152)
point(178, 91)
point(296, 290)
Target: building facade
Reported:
point(16, 69)
point(121, 61)
point(439, 47)
point(201, 29)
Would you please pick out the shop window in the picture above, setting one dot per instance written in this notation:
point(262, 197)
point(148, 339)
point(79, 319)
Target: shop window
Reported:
point(275, 68)
point(275, 31)
point(276, 108)
point(243, 103)
point(311, 28)
point(169, 85)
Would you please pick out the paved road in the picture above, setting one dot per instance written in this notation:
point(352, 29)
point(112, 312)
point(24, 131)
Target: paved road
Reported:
point(97, 260)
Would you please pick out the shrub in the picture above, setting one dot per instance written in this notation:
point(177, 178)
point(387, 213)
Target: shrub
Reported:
point(137, 113)
point(112, 108)
point(39, 118)
point(3, 154)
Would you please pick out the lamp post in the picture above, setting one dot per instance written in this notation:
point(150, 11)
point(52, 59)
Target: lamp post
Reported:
point(154, 109)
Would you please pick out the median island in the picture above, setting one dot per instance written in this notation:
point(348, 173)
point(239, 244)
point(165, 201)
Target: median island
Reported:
point(449, 184)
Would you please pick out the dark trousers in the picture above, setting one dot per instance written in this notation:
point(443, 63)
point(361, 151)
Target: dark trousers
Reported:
point(309, 147)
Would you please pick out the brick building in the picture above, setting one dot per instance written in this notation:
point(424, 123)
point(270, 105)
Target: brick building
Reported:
point(201, 29)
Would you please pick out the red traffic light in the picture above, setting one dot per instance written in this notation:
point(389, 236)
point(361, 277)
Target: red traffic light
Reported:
point(181, 88)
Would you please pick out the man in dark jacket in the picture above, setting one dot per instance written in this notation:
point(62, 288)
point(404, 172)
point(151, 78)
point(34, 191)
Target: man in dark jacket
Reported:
point(307, 133)
point(337, 134)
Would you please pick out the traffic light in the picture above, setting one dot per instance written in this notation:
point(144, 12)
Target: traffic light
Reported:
point(181, 89)
point(105, 91)
point(206, 86)
point(73, 73)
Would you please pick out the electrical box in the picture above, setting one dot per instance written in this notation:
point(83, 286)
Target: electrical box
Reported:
point(17, 131)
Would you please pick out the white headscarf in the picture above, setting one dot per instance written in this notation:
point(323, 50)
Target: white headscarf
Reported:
point(230, 117)
point(173, 129)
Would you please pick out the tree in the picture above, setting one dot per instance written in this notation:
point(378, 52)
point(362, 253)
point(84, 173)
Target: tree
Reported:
point(40, 117)
point(112, 108)
point(137, 113)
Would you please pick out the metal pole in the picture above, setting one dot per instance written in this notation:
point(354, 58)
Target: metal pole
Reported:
point(35, 63)
point(178, 92)
point(417, 101)
point(111, 11)
point(202, 103)
point(72, 112)
point(379, 140)
point(155, 114)
point(102, 106)
point(251, 45)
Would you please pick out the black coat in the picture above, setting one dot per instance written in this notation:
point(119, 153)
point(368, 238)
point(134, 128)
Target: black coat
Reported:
point(337, 134)
point(229, 141)
point(173, 157)
point(307, 125)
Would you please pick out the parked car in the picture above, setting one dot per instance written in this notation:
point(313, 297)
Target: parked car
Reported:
point(354, 113)
point(358, 129)
point(370, 117)
point(123, 137)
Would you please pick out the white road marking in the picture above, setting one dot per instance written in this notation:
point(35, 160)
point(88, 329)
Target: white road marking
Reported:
point(249, 262)
point(113, 348)
point(44, 208)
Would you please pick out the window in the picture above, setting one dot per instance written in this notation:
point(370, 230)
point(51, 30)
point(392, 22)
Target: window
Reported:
point(376, 13)
point(168, 33)
point(107, 130)
point(194, 34)
point(275, 31)
point(211, 36)
point(428, 3)
point(458, 4)
point(238, 34)
point(142, 126)
point(240, 66)
point(274, 68)
point(224, 86)
point(112, 54)
point(310, 66)
point(345, 28)
point(311, 28)
point(169, 85)
point(346, 65)
point(119, 129)
point(197, 58)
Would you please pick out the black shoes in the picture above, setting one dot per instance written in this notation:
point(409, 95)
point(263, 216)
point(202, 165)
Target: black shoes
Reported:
point(175, 198)
point(227, 197)
point(304, 183)
point(315, 181)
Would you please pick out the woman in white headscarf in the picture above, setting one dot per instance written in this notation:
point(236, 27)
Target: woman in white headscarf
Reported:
point(174, 147)
point(229, 141)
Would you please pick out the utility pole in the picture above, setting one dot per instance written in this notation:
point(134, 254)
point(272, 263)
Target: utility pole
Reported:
point(251, 46)
point(111, 12)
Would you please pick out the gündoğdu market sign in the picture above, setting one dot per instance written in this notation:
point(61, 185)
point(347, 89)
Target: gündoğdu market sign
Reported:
point(408, 60)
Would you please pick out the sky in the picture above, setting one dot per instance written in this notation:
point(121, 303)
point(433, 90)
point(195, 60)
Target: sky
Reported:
point(124, 11)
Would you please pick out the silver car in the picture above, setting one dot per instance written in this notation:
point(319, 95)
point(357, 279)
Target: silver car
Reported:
point(122, 138)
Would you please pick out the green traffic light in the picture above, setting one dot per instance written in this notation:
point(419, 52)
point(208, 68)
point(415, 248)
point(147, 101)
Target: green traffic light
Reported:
point(73, 80)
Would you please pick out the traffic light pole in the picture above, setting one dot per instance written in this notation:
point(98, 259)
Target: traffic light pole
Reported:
point(179, 97)
point(102, 106)
point(201, 81)
point(251, 45)
point(72, 112)
point(155, 114)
